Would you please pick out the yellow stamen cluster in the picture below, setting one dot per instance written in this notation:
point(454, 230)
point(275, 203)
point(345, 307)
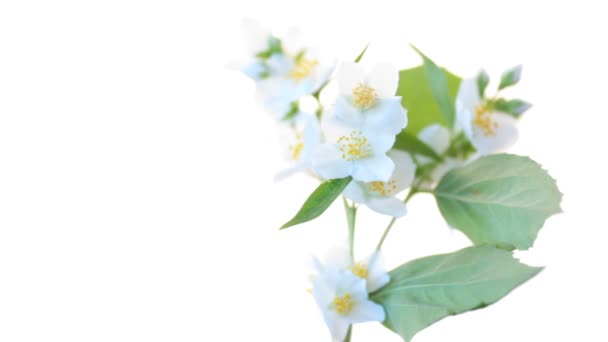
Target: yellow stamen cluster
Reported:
point(296, 149)
point(360, 270)
point(483, 119)
point(343, 305)
point(364, 97)
point(383, 188)
point(302, 69)
point(354, 146)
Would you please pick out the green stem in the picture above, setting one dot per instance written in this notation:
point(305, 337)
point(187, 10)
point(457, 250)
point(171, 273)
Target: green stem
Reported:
point(412, 192)
point(348, 334)
point(351, 214)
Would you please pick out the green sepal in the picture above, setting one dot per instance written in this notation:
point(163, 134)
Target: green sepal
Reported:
point(510, 77)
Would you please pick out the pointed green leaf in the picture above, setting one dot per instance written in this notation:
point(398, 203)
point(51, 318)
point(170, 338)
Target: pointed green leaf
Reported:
point(405, 141)
point(319, 201)
point(513, 107)
point(439, 87)
point(510, 77)
point(423, 291)
point(417, 98)
point(358, 59)
point(500, 200)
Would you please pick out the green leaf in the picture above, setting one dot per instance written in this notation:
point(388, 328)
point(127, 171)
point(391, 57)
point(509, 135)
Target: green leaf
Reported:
point(439, 87)
point(319, 201)
point(500, 200)
point(510, 77)
point(423, 291)
point(358, 59)
point(407, 142)
point(513, 107)
point(417, 98)
point(482, 83)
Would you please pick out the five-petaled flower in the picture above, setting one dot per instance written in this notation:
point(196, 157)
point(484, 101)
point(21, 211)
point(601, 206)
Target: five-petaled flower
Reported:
point(371, 269)
point(488, 130)
point(343, 300)
point(353, 151)
point(368, 99)
point(284, 69)
point(301, 137)
point(380, 196)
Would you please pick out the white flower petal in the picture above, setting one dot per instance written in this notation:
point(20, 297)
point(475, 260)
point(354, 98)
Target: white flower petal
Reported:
point(377, 275)
point(347, 114)
point(338, 326)
point(376, 168)
point(255, 35)
point(405, 169)
point(386, 117)
point(384, 78)
point(324, 288)
point(269, 93)
point(280, 65)
point(468, 94)
point(338, 259)
point(464, 118)
point(355, 191)
point(436, 137)
point(388, 206)
point(329, 164)
point(318, 267)
point(253, 69)
point(333, 128)
point(466, 101)
point(506, 135)
point(293, 41)
point(349, 75)
point(380, 143)
point(367, 311)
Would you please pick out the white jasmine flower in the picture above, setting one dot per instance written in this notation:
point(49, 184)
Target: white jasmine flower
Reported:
point(381, 196)
point(343, 300)
point(284, 69)
point(290, 78)
point(368, 99)
point(301, 137)
point(489, 131)
point(371, 269)
point(353, 151)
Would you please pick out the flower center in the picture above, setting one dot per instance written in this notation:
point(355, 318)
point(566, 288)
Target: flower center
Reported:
point(382, 188)
point(343, 305)
point(364, 97)
point(302, 68)
point(483, 119)
point(360, 270)
point(354, 146)
point(295, 149)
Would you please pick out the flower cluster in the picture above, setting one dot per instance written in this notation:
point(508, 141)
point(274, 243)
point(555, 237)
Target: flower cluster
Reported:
point(360, 147)
point(354, 137)
point(341, 288)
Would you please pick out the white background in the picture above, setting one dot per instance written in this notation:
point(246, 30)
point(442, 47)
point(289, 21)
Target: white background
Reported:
point(136, 192)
